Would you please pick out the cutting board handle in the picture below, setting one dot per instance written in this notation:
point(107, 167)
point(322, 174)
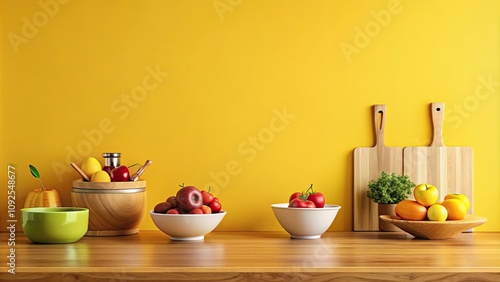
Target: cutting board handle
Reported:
point(379, 124)
point(437, 110)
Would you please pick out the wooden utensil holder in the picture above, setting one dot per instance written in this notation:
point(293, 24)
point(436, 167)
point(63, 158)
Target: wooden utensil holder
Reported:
point(115, 208)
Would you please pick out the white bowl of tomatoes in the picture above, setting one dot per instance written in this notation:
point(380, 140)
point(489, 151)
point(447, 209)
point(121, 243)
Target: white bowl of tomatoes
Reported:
point(305, 223)
point(306, 216)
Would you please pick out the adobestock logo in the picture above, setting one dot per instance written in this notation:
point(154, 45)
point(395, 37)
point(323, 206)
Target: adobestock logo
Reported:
point(40, 19)
point(121, 107)
point(482, 92)
point(223, 6)
point(320, 252)
point(456, 113)
point(363, 36)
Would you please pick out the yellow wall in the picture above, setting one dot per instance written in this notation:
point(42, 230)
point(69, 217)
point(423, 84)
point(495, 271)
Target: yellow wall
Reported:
point(192, 84)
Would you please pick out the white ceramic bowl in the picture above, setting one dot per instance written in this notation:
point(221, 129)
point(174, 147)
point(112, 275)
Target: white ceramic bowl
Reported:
point(187, 227)
point(305, 223)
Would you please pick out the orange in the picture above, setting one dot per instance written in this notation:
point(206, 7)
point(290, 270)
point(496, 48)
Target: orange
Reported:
point(461, 197)
point(411, 210)
point(456, 209)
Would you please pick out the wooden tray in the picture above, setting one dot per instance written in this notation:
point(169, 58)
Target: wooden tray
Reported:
point(436, 229)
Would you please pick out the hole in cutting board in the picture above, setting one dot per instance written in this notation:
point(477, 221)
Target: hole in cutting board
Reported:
point(379, 119)
point(438, 109)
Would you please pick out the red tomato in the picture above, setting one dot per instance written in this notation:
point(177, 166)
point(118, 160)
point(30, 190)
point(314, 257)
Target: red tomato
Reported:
point(301, 203)
point(207, 197)
point(317, 198)
point(294, 195)
point(215, 206)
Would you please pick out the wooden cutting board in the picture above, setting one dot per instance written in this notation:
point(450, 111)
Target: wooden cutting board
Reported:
point(369, 162)
point(450, 169)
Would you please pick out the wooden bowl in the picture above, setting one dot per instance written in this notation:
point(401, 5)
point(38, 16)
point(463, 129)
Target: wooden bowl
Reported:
point(436, 229)
point(115, 208)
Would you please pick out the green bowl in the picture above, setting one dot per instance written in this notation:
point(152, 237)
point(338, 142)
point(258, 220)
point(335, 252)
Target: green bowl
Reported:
point(55, 225)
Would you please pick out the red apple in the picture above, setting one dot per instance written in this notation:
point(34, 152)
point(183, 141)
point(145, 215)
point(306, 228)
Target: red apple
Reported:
point(189, 198)
point(120, 174)
point(173, 211)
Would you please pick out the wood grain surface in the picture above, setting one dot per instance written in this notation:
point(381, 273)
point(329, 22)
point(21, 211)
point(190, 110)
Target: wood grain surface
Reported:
point(369, 163)
point(435, 229)
point(115, 208)
point(79, 184)
point(258, 256)
point(450, 169)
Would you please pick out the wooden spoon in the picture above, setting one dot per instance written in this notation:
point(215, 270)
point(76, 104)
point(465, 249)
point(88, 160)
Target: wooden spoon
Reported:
point(140, 171)
point(84, 176)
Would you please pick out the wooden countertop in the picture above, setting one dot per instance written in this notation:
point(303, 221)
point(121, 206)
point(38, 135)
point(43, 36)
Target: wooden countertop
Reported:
point(257, 256)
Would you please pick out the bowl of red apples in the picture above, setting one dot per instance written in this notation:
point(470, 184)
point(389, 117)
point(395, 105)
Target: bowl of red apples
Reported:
point(189, 215)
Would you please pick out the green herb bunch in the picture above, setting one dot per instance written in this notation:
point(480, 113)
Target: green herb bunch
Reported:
point(389, 189)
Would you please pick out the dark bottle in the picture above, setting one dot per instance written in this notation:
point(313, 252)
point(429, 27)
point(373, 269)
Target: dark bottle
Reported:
point(111, 160)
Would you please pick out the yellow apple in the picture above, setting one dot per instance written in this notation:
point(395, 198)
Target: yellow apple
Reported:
point(90, 166)
point(461, 197)
point(437, 212)
point(426, 194)
point(100, 176)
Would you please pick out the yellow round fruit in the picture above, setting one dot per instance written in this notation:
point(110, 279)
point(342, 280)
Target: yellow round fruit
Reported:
point(426, 194)
point(461, 197)
point(90, 166)
point(456, 209)
point(437, 212)
point(100, 176)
